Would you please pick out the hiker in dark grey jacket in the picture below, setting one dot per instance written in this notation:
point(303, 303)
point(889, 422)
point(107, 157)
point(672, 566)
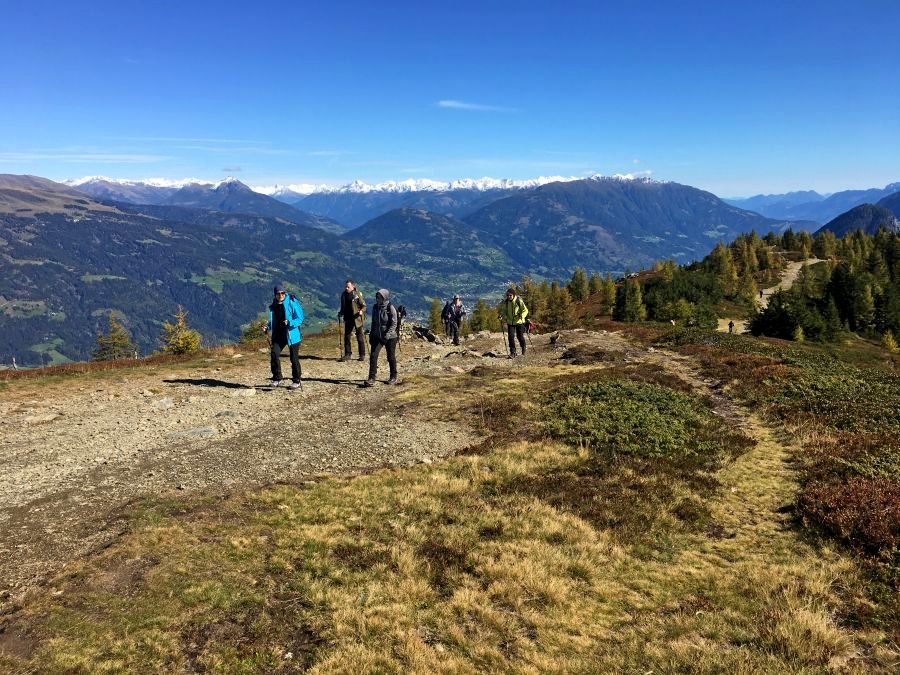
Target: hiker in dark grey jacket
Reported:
point(383, 333)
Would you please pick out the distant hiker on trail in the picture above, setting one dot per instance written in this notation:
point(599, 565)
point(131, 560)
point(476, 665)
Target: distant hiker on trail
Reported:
point(730, 327)
point(285, 318)
point(453, 315)
point(514, 312)
point(384, 333)
point(353, 312)
point(760, 294)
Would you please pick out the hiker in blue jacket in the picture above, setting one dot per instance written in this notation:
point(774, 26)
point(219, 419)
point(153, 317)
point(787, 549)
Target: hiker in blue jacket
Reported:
point(285, 317)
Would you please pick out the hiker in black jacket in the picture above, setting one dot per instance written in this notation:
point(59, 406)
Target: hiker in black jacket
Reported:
point(353, 311)
point(384, 333)
point(454, 313)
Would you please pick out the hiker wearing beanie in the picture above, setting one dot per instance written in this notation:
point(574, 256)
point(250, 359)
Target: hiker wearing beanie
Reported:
point(285, 317)
point(353, 312)
point(383, 333)
point(514, 312)
point(454, 313)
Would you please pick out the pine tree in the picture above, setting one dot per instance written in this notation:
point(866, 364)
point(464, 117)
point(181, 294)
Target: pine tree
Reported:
point(889, 342)
point(607, 295)
point(723, 266)
point(634, 309)
point(484, 317)
point(560, 313)
point(831, 319)
point(435, 321)
point(864, 307)
point(534, 298)
point(595, 283)
point(578, 285)
point(115, 344)
point(178, 337)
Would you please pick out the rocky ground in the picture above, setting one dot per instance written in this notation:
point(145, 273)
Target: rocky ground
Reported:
point(75, 450)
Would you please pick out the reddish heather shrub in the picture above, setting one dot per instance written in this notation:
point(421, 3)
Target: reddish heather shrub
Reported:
point(864, 512)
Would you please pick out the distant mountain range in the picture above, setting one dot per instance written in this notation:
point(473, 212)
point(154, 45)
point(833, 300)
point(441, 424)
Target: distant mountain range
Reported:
point(809, 205)
point(66, 258)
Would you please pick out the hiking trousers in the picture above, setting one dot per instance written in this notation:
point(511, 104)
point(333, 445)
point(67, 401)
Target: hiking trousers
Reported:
point(513, 332)
point(390, 347)
point(349, 328)
point(453, 331)
point(275, 353)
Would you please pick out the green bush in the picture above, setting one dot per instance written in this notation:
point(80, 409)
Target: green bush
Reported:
point(622, 417)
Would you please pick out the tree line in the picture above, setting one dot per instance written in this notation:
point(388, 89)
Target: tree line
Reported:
point(855, 289)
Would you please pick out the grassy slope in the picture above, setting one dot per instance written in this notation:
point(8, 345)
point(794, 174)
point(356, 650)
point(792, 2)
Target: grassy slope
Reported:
point(531, 553)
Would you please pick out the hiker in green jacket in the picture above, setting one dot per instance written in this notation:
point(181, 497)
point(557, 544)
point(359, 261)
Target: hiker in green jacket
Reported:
point(515, 314)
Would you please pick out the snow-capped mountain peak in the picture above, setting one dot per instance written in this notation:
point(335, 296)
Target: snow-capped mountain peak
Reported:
point(408, 185)
point(151, 182)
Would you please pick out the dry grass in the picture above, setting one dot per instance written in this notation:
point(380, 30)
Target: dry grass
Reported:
point(464, 566)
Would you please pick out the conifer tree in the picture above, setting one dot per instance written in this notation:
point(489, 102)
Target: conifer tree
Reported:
point(595, 283)
point(723, 267)
point(115, 343)
point(630, 303)
point(535, 299)
point(889, 342)
point(178, 337)
point(560, 312)
point(484, 317)
point(435, 322)
point(608, 295)
point(864, 307)
point(578, 285)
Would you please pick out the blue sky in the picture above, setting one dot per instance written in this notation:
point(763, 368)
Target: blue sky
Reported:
point(735, 97)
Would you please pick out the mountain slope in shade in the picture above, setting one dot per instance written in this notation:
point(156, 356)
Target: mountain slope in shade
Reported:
point(232, 196)
point(611, 224)
point(866, 217)
point(892, 203)
point(31, 195)
point(427, 252)
point(355, 208)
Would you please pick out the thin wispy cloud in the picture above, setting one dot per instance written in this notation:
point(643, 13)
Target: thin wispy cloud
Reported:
point(327, 153)
point(69, 157)
point(231, 169)
point(454, 104)
point(187, 139)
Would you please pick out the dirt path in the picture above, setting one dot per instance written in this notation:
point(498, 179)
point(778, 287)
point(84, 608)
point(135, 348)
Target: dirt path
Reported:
point(74, 451)
point(788, 277)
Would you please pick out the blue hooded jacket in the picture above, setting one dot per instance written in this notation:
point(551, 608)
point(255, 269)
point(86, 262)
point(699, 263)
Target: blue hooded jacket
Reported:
point(293, 312)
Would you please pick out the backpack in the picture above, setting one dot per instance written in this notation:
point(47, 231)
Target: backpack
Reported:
point(401, 314)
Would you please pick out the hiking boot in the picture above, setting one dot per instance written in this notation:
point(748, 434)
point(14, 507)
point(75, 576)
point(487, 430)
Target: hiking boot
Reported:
point(393, 380)
point(345, 357)
point(294, 385)
point(276, 383)
point(362, 358)
point(369, 383)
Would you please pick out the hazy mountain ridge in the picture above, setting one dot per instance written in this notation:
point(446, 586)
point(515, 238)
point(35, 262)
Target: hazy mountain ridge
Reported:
point(821, 210)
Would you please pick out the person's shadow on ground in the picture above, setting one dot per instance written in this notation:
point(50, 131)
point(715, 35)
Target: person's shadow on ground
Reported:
point(208, 382)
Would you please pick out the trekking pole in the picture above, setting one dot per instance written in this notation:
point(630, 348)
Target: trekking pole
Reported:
point(340, 336)
point(505, 330)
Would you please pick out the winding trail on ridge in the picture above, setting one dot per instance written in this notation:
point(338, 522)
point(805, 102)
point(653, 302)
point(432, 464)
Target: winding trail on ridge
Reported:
point(788, 277)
